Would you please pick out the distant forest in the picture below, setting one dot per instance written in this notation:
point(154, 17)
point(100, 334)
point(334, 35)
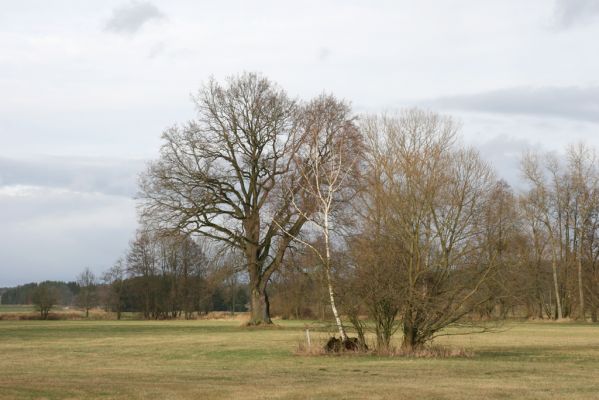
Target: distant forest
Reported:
point(101, 295)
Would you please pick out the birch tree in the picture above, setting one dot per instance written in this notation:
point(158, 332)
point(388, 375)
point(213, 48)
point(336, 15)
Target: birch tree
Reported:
point(330, 164)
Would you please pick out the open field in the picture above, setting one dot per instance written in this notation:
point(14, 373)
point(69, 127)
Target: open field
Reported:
point(218, 360)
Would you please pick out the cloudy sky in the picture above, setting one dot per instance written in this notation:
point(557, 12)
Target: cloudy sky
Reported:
point(87, 87)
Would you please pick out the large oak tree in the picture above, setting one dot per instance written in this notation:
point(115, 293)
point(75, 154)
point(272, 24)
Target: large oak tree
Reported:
point(235, 173)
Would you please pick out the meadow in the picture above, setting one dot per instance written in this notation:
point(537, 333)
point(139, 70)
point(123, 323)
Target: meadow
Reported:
point(219, 359)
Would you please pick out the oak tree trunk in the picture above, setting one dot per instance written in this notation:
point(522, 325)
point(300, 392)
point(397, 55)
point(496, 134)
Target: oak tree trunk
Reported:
point(259, 305)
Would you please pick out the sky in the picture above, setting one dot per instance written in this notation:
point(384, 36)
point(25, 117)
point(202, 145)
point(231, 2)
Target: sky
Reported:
point(86, 89)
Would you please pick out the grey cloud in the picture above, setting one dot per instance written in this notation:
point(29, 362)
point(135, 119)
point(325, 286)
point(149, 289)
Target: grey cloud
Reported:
point(131, 17)
point(55, 233)
point(569, 13)
point(108, 176)
point(156, 50)
point(324, 53)
point(575, 103)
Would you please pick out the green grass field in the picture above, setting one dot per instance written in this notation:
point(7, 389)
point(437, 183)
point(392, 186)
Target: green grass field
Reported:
point(221, 360)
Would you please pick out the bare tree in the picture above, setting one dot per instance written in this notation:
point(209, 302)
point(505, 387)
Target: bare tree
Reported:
point(142, 263)
point(563, 195)
point(534, 230)
point(221, 176)
point(45, 297)
point(544, 202)
point(572, 211)
point(327, 179)
point(87, 290)
point(434, 197)
point(582, 163)
point(115, 278)
point(505, 241)
point(192, 272)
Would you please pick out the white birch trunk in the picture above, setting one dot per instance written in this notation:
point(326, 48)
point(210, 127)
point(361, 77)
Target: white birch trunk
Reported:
point(329, 280)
